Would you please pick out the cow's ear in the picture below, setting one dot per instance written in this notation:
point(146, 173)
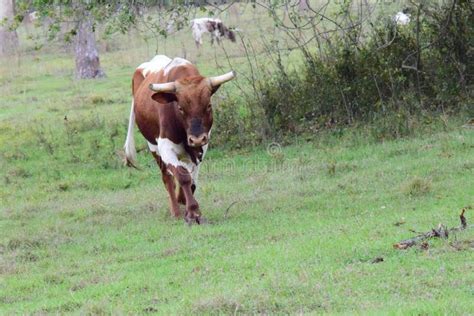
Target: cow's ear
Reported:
point(214, 89)
point(164, 97)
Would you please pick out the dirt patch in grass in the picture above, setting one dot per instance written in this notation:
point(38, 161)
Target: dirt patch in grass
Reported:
point(86, 282)
point(28, 256)
point(25, 243)
point(217, 305)
point(461, 245)
point(68, 307)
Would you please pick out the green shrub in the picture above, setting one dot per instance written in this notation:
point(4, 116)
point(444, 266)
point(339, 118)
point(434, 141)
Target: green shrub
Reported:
point(393, 77)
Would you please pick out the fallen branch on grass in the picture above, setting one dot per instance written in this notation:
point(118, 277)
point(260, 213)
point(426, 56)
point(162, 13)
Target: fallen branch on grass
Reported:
point(441, 232)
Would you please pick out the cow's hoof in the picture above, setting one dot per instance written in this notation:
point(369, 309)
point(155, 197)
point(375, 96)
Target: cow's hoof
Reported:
point(203, 221)
point(191, 222)
point(188, 221)
point(192, 218)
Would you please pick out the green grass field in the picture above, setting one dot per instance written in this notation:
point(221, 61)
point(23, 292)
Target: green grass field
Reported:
point(292, 229)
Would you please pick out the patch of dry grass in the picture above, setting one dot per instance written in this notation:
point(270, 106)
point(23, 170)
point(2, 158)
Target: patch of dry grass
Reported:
point(417, 186)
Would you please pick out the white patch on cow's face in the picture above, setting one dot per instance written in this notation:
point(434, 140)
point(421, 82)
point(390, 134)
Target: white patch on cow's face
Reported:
point(175, 63)
point(158, 63)
point(174, 154)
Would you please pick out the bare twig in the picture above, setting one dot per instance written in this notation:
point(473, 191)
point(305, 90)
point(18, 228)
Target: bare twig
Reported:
point(228, 208)
point(463, 219)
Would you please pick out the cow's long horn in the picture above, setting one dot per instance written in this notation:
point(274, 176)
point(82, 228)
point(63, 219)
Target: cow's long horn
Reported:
point(163, 87)
point(217, 81)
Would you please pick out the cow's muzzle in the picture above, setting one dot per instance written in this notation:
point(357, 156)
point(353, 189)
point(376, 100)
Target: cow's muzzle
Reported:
point(198, 141)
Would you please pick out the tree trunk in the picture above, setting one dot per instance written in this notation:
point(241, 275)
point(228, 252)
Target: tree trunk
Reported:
point(8, 38)
point(85, 48)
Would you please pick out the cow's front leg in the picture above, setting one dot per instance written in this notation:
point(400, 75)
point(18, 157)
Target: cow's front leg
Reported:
point(168, 181)
point(182, 171)
point(187, 188)
point(181, 197)
point(171, 188)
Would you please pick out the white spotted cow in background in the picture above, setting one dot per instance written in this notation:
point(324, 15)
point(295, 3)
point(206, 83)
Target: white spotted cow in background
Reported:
point(214, 27)
point(402, 17)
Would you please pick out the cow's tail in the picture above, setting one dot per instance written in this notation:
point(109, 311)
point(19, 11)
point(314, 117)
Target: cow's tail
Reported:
point(130, 151)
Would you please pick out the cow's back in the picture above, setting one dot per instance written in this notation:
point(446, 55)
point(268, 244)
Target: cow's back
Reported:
point(146, 113)
point(158, 63)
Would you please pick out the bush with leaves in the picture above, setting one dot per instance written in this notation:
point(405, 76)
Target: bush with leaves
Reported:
point(394, 75)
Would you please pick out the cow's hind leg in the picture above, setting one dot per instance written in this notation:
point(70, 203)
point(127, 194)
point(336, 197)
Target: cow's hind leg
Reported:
point(168, 180)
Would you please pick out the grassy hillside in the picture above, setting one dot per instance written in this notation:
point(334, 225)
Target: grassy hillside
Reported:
point(82, 233)
point(292, 228)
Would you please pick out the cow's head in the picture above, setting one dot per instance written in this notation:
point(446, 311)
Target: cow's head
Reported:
point(193, 103)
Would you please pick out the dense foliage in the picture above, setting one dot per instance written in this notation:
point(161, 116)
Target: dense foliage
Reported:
point(390, 77)
point(371, 70)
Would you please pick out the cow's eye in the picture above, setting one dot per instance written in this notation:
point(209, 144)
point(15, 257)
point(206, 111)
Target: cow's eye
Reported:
point(209, 107)
point(180, 109)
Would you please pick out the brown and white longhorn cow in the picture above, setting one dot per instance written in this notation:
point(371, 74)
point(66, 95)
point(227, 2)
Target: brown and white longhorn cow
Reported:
point(172, 107)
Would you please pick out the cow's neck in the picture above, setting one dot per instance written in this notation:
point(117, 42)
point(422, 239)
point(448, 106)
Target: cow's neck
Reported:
point(195, 153)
